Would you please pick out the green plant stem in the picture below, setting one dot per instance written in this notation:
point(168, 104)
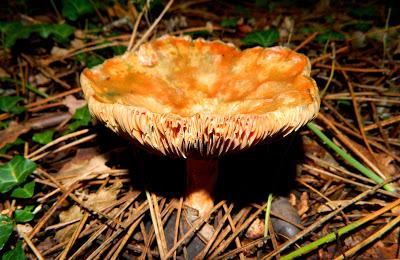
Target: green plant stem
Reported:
point(267, 214)
point(356, 164)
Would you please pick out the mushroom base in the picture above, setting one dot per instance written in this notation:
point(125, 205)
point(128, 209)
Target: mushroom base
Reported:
point(201, 179)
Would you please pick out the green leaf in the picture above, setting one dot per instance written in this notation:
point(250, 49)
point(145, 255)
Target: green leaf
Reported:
point(15, 172)
point(73, 9)
point(82, 114)
point(81, 118)
point(6, 228)
point(15, 254)
point(60, 32)
point(118, 50)
point(8, 104)
point(264, 38)
point(44, 137)
point(93, 60)
point(229, 22)
point(13, 31)
point(25, 192)
point(329, 36)
point(24, 215)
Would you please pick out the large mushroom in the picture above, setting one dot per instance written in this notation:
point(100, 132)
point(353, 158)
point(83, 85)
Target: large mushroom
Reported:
point(199, 99)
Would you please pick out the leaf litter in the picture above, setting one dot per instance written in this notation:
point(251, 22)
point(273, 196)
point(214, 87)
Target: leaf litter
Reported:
point(89, 190)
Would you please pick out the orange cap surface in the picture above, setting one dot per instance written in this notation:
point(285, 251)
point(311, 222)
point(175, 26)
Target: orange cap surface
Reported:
point(184, 97)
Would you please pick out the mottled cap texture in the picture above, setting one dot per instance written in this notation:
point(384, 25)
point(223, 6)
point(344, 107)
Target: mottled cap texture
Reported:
point(196, 98)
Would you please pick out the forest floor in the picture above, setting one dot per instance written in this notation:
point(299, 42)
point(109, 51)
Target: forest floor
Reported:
point(71, 188)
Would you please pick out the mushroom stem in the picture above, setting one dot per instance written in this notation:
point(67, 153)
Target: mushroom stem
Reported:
point(201, 179)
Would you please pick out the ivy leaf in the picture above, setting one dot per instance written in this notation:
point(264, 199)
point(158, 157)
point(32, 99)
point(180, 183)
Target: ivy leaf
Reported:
point(81, 118)
point(73, 9)
point(8, 104)
point(15, 254)
point(6, 228)
point(15, 172)
point(12, 32)
point(44, 137)
point(24, 215)
point(60, 32)
point(25, 192)
point(264, 38)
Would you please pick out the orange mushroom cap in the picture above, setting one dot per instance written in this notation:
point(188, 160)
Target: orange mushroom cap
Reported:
point(186, 98)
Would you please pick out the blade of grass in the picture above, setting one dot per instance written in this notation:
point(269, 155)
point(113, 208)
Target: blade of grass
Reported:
point(267, 214)
point(356, 164)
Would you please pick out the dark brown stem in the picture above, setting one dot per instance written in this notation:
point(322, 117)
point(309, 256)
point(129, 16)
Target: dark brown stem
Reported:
point(201, 179)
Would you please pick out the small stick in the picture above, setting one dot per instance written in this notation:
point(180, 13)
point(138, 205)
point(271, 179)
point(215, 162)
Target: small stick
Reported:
point(33, 248)
point(148, 32)
point(327, 217)
point(75, 236)
point(79, 141)
point(135, 28)
point(349, 253)
point(306, 41)
point(58, 140)
point(385, 122)
point(178, 221)
point(351, 69)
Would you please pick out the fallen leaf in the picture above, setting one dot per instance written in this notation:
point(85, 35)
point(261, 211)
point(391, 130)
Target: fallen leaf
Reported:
point(71, 214)
point(86, 162)
point(73, 104)
point(24, 229)
point(104, 197)
point(302, 206)
point(58, 52)
point(256, 229)
point(3, 73)
point(12, 132)
point(39, 79)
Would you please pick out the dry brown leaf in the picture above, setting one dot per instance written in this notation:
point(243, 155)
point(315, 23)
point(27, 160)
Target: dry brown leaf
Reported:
point(104, 197)
point(256, 229)
point(292, 199)
point(24, 229)
point(72, 213)
point(73, 104)
point(3, 73)
point(302, 206)
point(12, 132)
point(58, 52)
point(39, 79)
point(383, 161)
point(86, 162)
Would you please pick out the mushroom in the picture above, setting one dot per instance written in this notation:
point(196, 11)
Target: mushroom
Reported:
point(198, 100)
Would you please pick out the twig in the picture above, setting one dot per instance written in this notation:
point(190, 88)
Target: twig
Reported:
point(370, 239)
point(306, 41)
point(322, 220)
point(149, 31)
point(135, 28)
point(337, 234)
point(58, 140)
point(339, 68)
point(385, 122)
point(75, 236)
